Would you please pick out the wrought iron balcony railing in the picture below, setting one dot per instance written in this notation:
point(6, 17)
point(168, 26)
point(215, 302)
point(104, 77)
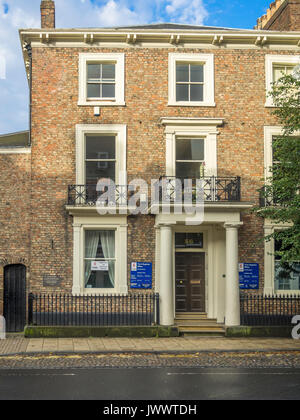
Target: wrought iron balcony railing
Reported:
point(167, 189)
point(212, 189)
point(87, 195)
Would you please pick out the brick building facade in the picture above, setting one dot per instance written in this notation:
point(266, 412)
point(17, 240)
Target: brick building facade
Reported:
point(215, 111)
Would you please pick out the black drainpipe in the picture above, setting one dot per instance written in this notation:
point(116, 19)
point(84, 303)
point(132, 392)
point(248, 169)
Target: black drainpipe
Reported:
point(29, 52)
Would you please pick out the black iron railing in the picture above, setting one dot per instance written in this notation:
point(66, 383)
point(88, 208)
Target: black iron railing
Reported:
point(269, 310)
point(212, 188)
point(88, 195)
point(99, 310)
point(266, 199)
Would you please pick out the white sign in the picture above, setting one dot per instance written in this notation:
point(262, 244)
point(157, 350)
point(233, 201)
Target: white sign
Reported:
point(99, 265)
point(133, 266)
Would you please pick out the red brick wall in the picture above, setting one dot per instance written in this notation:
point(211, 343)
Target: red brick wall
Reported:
point(14, 213)
point(240, 99)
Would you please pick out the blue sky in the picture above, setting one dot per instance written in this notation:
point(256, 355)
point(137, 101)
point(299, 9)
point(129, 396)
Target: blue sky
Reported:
point(16, 14)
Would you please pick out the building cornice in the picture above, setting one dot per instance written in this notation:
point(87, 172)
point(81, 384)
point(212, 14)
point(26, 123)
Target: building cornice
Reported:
point(216, 39)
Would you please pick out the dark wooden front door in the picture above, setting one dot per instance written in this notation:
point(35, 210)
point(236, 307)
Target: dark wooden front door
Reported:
point(15, 297)
point(190, 282)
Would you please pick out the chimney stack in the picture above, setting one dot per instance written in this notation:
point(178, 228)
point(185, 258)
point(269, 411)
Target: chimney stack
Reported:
point(48, 14)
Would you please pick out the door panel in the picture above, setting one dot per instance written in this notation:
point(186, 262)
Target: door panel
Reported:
point(15, 297)
point(190, 282)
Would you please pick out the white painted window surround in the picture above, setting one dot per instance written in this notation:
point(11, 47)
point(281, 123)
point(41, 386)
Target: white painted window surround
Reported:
point(119, 60)
point(192, 128)
point(119, 130)
point(269, 284)
point(119, 225)
point(15, 150)
point(209, 85)
point(271, 61)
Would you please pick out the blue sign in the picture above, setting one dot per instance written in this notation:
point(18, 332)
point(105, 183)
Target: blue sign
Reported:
point(141, 275)
point(249, 275)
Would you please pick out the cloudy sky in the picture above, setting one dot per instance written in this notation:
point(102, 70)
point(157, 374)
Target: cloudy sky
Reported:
point(16, 14)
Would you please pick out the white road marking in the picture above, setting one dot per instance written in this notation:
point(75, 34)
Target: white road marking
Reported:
point(237, 373)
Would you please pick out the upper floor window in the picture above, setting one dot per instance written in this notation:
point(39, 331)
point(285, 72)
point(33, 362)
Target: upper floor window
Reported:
point(189, 82)
point(189, 158)
point(101, 79)
point(191, 79)
point(278, 66)
point(281, 70)
point(100, 158)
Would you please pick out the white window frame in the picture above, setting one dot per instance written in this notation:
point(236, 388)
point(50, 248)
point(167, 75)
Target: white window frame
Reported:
point(209, 84)
point(80, 226)
point(269, 283)
point(119, 60)
point(271, 61)
point(120, 132)
point(192, 128)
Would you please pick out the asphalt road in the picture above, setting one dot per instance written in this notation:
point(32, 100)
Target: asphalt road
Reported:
point(150, 384)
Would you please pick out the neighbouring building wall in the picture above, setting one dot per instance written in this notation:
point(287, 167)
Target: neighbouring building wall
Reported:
point(283, 15)
point(15, 176)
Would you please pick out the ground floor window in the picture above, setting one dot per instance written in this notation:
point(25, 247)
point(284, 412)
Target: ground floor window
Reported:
point(99, 259)
point(287, 276)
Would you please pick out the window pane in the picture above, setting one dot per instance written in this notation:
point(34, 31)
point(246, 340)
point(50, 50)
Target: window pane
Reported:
point(182, 92)
point(108, 71)
point(108, 91)
point(288, 277)
point(98, 170)
point(93, 90)
point(196, 73)
point(289, 70)
point(189, 149)
point(93, 71)
point(196, 92)
point(189, 240)
point(103, 279)
point(278, 72)
point(182, 73)
point(100, 147)
point(100, 244)
point(189, 170)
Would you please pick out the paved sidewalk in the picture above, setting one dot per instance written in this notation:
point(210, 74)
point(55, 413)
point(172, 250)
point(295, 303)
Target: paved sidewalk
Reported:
point(19, 344)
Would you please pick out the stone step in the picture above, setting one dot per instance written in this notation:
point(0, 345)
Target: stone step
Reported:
point(191, 316)
point(196, 322)
point(202, 331)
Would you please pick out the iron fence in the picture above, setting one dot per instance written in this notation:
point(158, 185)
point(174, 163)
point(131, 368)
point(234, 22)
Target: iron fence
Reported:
point(268, 310)
point(99, 310)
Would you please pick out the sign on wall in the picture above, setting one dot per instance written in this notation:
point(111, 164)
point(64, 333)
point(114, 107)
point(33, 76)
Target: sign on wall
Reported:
point(99, 266)
point(249, 275)
point(51, 281)
point(141, 275)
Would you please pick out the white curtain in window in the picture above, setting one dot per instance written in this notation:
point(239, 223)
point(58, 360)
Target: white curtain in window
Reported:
point(108, 246)
point(91, 246)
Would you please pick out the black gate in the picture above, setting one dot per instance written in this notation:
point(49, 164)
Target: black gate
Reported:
point(15, 297)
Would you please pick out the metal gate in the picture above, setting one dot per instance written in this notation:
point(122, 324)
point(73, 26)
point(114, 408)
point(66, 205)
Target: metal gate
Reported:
point(15, 297)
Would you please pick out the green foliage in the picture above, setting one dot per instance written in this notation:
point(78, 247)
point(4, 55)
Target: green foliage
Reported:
point(282, 188)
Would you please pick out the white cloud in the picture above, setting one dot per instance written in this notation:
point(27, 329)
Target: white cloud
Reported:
point(15, 14)
point(187, 11)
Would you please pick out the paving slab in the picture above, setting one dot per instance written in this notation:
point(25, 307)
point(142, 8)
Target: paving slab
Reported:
point(19, 344)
